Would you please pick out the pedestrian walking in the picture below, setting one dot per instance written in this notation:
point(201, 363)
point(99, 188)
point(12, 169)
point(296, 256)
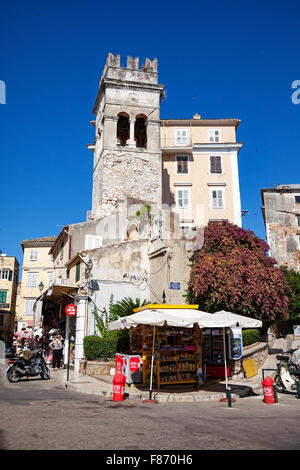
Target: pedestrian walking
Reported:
point(56, 347)
point(36, 342)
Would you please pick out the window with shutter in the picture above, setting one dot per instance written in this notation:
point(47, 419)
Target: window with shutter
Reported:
point(215, 164)
point(182, 164)
point(213, 135)
point(181, 136)
point(3, 296)
point(29, 307)
point(50, 278)
point(183, 198)
point(92, 242)
point(217, 199)
point(4, 274)
point(34, 255)
point(62, 250)
point(32, 280)
point(77, 274)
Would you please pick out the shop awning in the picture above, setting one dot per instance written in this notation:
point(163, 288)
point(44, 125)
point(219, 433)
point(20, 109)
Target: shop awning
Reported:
point(56, 293)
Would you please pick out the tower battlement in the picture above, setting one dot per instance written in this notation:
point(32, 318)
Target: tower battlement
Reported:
point(147, 73)
point(132, 63)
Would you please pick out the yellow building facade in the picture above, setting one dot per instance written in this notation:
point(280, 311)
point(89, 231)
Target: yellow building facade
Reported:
point(9, 273)
point(200, 170)
point(37, 276)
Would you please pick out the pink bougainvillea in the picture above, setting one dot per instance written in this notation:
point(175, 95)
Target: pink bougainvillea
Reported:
point(233, 272)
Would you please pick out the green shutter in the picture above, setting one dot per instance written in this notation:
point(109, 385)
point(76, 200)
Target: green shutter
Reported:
point(3, 294)
point(10, 275)
point(77, 278)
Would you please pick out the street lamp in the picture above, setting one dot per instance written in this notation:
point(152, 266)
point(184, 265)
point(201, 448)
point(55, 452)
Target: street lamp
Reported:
point(89, 264)
point(41, 287)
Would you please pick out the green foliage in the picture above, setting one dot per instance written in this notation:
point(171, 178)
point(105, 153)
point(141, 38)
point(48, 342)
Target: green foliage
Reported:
point(104, 319)
point(91, 346)
point(105, 348)
point(125, 307)
point(110, 342)
point(293, 279)
point(250, 336)
point(144, 214)
point(233, 272)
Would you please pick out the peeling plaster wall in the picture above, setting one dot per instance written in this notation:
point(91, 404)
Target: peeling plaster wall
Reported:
point(283, 231)
point(110, 263)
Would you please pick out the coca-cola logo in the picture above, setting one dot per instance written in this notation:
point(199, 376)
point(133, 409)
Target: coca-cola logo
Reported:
point(134, 364)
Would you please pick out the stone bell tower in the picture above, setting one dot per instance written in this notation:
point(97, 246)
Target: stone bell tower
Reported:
point(127, 155)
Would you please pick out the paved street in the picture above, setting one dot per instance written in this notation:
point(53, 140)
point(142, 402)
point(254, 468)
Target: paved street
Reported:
point(38, 414)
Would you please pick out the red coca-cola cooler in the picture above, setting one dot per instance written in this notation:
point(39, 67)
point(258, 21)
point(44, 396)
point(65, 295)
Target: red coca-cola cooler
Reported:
point(134, 369)
point(121, 364)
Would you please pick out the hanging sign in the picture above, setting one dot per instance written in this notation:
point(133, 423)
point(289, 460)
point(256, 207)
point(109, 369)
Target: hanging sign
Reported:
point(71, 310)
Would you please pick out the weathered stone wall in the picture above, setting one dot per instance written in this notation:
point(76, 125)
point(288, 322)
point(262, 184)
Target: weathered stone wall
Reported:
point(282, 227)
point(257, 351)
point(126, 173)
point(93, 368)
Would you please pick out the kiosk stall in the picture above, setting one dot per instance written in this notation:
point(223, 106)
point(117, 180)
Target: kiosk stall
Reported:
point(177, 354)
point(169, 339)
point(168, 361)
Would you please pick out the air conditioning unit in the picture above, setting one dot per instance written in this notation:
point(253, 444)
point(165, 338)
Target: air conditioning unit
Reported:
point(89, 215)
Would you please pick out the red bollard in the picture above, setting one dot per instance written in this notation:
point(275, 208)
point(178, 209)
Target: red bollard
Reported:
point(268, 390)
point(118, 387)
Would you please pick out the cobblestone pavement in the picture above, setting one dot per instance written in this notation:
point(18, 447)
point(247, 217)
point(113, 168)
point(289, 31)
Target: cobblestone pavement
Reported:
point(38, 415)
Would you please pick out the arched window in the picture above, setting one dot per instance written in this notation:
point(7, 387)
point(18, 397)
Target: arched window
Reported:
point(140, 131)
point(122, 129)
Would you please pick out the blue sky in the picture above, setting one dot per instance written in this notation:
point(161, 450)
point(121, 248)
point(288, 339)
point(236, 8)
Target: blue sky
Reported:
point(233, 59)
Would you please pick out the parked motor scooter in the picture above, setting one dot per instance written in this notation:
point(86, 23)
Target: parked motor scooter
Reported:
point(10, 352)
point(21, 367)
point(292, 361)
point(288, 374)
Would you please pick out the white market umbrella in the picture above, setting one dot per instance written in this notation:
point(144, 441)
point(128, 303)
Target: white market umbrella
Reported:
point(223, 319)
point(184, 318)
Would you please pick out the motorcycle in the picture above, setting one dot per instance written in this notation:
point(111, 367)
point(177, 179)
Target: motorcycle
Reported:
point(287, 378)
point(10, 352)
point(21, 367)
